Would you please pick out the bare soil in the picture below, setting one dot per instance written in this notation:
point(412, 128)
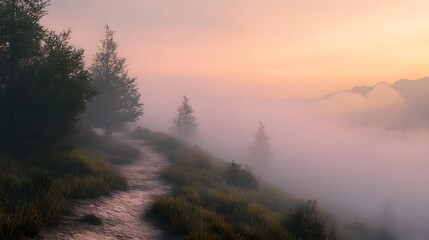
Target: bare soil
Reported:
point(120, 215)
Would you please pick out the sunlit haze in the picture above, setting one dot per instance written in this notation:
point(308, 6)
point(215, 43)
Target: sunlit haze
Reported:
point(244, 61)
point(257, 49)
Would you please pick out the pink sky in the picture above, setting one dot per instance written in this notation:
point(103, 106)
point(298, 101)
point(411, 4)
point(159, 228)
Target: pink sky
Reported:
point(256, 49)
point(228, 55)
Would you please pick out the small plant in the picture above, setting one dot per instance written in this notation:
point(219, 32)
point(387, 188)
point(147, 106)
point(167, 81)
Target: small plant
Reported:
point(307, 223)
point(237, 175)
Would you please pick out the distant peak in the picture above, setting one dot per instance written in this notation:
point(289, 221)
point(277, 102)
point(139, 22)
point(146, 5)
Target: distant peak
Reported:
point(403, 82)
point(423, 78)
point(383, 83)
point(399, 86)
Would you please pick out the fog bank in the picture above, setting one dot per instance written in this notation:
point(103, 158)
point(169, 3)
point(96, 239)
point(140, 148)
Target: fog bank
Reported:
point(322, 150)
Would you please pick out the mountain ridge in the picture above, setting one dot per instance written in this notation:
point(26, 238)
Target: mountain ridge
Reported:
point(412, 113)
point(405, 87)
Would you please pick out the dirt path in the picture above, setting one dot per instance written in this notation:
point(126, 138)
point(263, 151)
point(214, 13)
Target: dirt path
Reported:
point(121, 212)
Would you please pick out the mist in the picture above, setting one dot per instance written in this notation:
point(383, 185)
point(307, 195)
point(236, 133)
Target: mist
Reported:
point(327, 149)
point(74, 105)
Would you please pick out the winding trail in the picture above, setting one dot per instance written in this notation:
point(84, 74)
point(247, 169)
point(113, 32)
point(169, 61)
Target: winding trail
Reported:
point(121, 212)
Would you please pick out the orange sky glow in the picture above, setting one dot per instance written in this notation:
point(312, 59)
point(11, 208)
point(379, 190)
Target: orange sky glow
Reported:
point(264, 49)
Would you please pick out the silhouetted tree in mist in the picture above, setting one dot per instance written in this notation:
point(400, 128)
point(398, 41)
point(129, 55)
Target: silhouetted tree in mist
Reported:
point(185, 123)
point(118, 99)
point(387, 216)
point(260, 147)
point(44, 86)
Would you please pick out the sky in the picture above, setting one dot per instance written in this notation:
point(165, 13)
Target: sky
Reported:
point(238, 61)
point(279, 49)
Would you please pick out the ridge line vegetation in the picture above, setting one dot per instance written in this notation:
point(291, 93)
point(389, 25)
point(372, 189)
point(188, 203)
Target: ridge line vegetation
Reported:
point(208, 203)
point(212, 199)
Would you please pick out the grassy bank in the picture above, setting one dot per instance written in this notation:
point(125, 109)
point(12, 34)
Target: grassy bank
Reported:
point(35, 191)
point(115, 151)
point(206, 204)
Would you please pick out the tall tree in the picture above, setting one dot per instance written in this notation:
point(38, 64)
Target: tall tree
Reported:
point(260, 147)
point(185, 123)
point(118, 101)
point(43, 82)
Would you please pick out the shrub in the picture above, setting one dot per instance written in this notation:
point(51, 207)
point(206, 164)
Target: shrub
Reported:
point(307, 223)
point(204, 206)
point(237, 175)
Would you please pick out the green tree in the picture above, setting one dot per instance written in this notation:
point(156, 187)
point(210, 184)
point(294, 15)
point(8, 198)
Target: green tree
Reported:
point(185, 123)
point(260, 147)
point(44, 86)
point(118, 101)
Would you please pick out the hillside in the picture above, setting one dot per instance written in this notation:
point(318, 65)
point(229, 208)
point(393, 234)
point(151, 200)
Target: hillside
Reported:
point(208, 204)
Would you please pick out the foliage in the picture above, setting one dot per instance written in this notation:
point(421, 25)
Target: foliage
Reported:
point(44, 86)
point(205, 206)
point(118, 101)
point(237, 175)
point(36, 191)
point(185, 123)
point(307, 223)
point(260, 147)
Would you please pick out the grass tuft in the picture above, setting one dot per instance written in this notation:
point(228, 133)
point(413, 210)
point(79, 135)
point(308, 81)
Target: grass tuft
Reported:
point(36, 191)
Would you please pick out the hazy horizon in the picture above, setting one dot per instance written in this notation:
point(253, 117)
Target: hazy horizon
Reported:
point(240, 62)
point(254, 49)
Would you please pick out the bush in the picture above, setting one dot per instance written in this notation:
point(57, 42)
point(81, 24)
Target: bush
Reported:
point(307, 223)
point(242, 177)
point(204, 206)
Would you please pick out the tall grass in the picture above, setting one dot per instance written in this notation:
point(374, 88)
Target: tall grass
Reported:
point(36, 191)
point(114, 150)
point(205, 206)
point(208, 203)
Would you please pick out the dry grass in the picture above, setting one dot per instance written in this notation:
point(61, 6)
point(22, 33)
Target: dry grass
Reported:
point(36, 191)
point(205, 206)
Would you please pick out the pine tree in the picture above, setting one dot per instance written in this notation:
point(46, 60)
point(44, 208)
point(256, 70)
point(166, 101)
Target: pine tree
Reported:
point(260, 147)
point(44, 86)
point(118, 100)
point(185, 123)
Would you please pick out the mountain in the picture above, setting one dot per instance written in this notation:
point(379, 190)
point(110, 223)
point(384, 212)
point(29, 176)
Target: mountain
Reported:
point(409, 89)
point(417, 90)
point(411, 111)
